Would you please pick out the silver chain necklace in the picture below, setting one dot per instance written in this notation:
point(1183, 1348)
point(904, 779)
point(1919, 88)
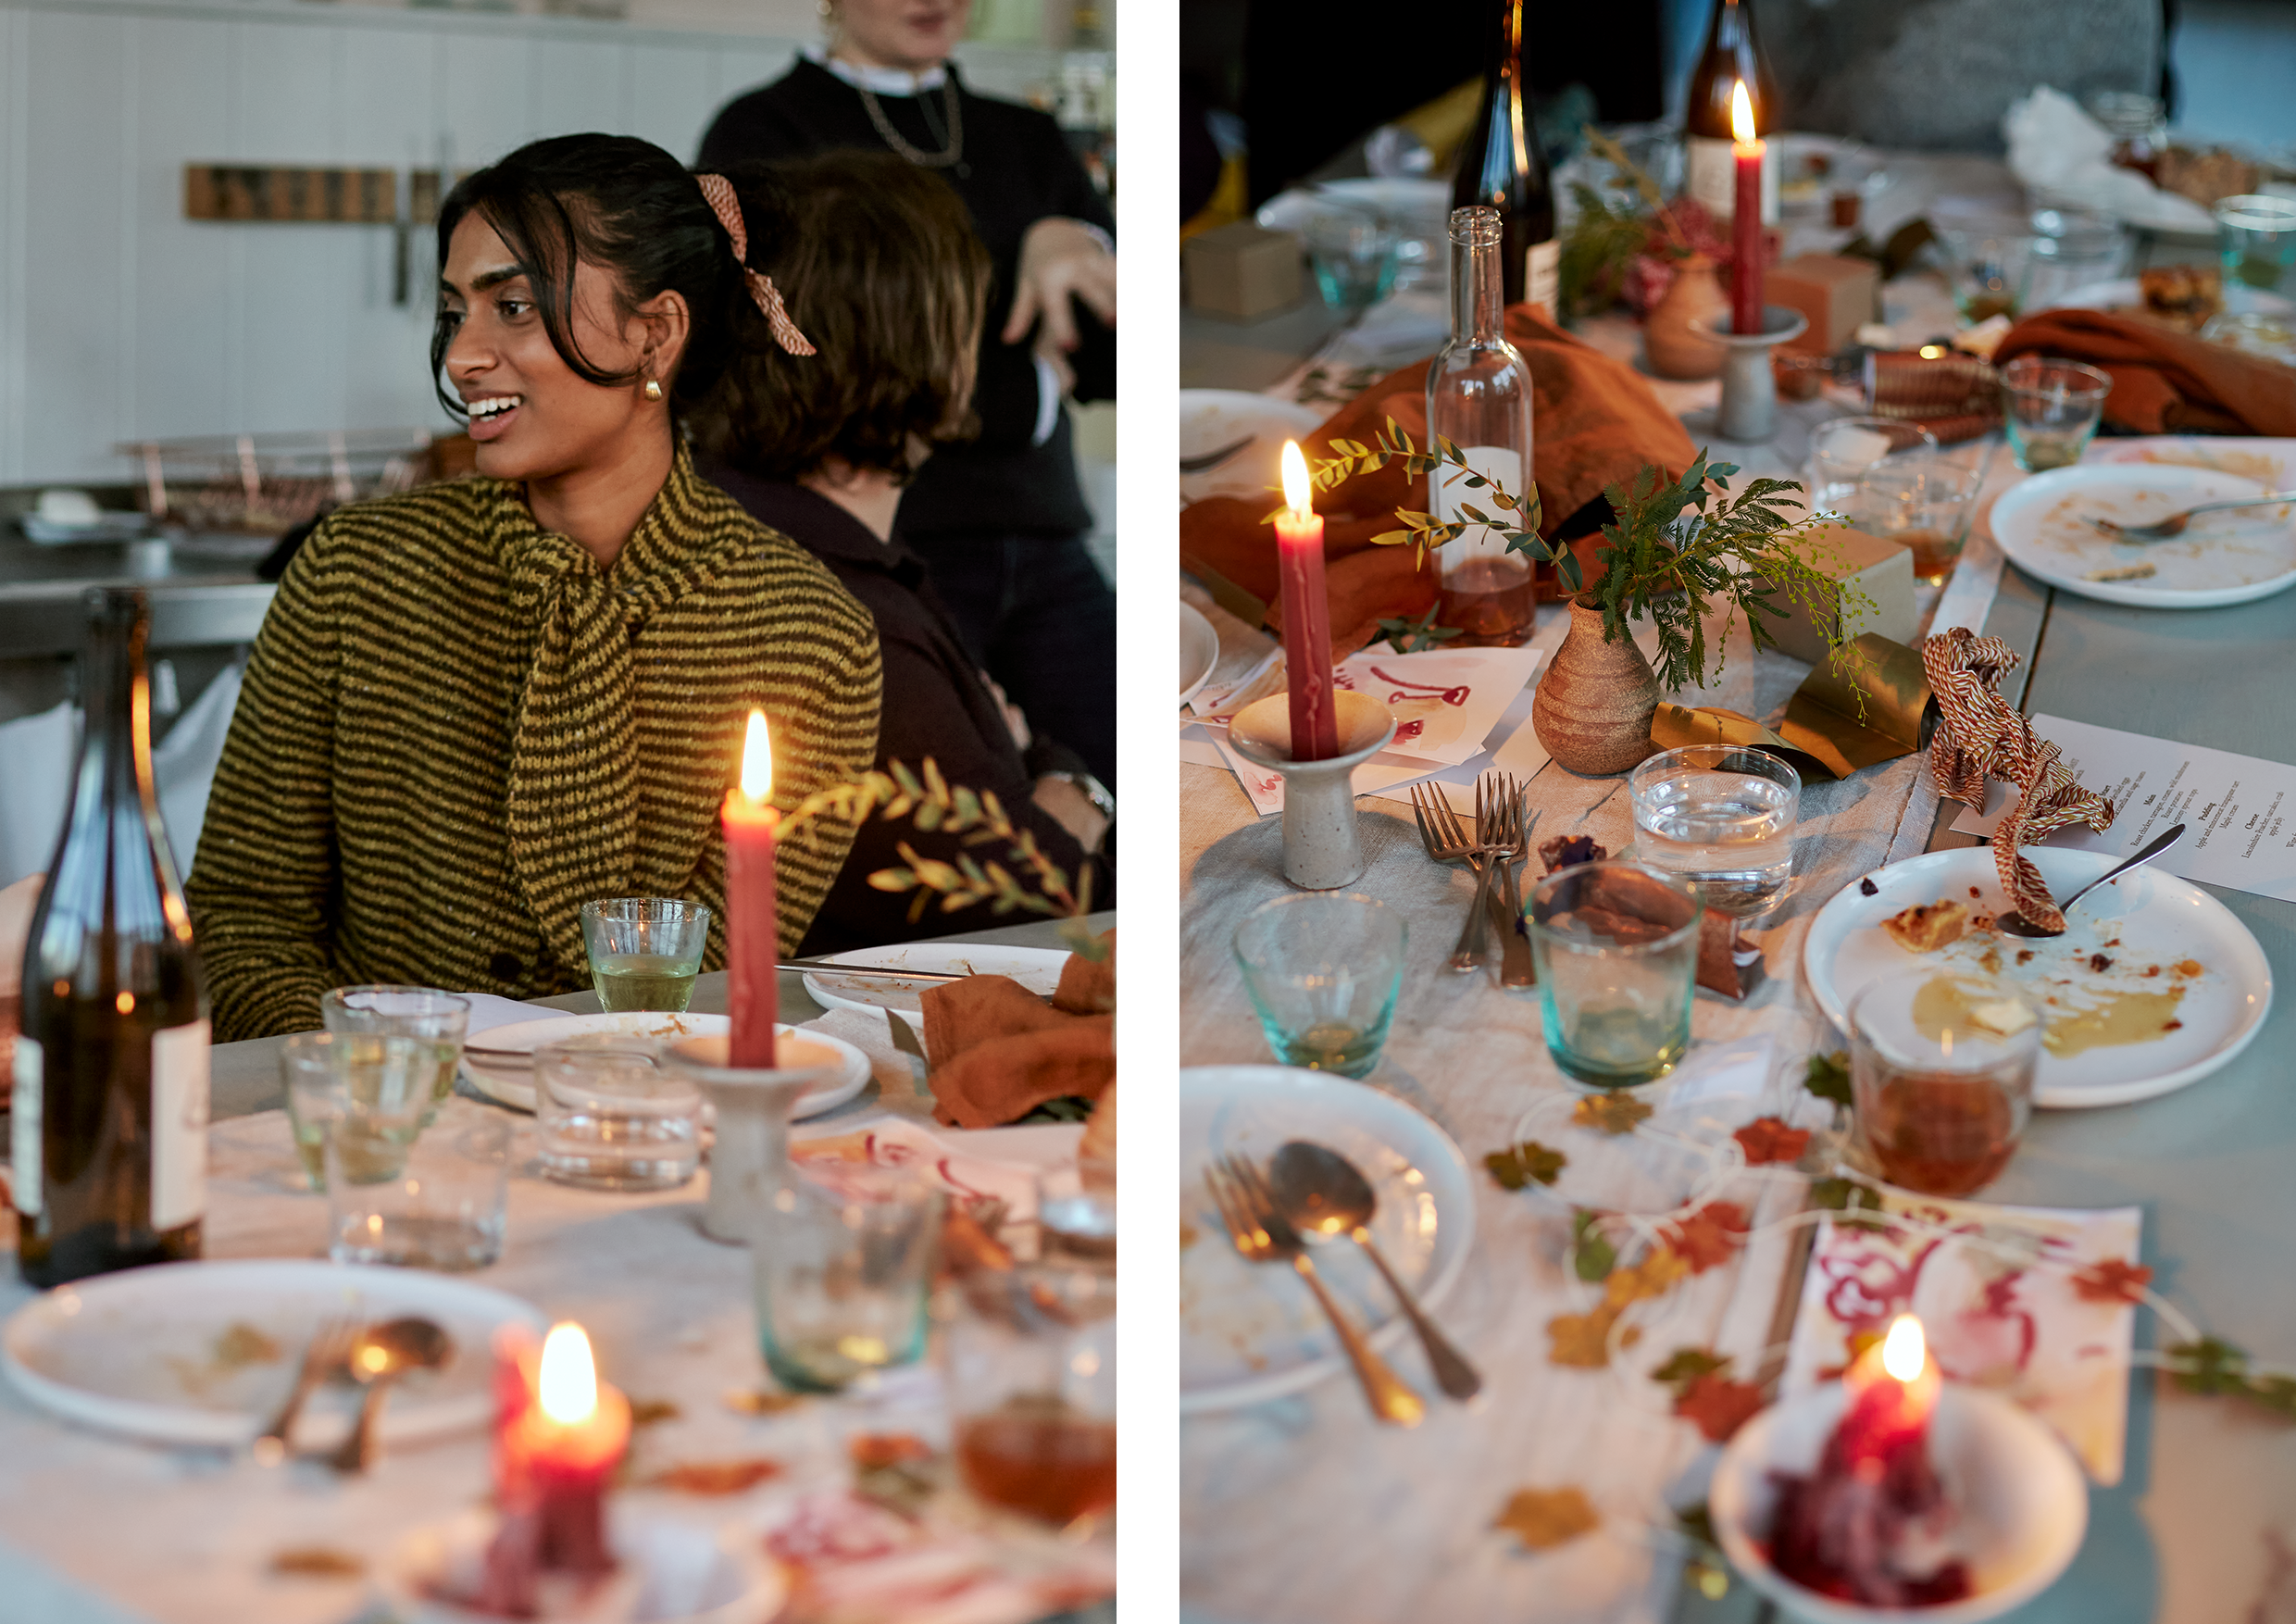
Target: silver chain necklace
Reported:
point(915, 153)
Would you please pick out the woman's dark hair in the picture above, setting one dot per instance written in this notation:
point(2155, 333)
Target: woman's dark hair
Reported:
point(881, 269)
point(629, 207)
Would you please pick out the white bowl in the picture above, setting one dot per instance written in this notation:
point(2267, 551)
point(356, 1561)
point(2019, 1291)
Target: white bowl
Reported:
point(2024, 1506)
point(673, 1573)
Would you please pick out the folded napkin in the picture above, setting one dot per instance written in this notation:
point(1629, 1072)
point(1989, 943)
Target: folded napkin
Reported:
point(2164, 382)
point(1595, 423)
point(998, 1051)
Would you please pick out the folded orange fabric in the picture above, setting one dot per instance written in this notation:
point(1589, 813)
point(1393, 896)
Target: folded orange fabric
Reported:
point(2164, 382)
point(998, 1051)
point(1594, 422)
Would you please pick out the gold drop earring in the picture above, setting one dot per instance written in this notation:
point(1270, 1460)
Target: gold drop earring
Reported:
point(652, 390)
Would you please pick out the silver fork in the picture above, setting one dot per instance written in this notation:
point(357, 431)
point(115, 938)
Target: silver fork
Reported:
point(2172, 526)
point(327, 1351)
point(1261, 1235)
point(1515, 968)
point(1446, 840)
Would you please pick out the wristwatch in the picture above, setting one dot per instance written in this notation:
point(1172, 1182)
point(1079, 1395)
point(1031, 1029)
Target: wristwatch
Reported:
point(1093, 791)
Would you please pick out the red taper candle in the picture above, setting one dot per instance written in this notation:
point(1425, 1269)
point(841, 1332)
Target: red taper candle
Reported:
point(1893, 1388)
point(753, 945)
point(1306, 615)
point(1746, 217)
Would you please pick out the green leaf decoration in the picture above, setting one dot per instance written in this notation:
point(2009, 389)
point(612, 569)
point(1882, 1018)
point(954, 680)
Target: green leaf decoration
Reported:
point(1849, 1199)
point(1687, 1365)
point(1520, 1164)
point(1828, 1077)
point(1408, 636)
point(1593, 1255)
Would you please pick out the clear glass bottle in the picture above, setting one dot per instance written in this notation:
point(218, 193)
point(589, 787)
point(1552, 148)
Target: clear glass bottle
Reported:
point(108, 1119)
point(1478, 398)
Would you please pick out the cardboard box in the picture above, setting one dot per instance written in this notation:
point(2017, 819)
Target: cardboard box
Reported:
point(1836, 294)
point(1241, 270)
point(1881, 569)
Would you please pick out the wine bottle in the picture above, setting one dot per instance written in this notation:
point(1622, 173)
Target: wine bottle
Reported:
point(109, 1115)
point(1478, 398)
point(1732, 54)
point(1502, 167)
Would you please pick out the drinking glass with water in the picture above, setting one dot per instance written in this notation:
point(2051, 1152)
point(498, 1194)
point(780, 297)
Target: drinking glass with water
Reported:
point(1322, 968)
point(371, 1091)
point(644, 951)
point(1722, 817)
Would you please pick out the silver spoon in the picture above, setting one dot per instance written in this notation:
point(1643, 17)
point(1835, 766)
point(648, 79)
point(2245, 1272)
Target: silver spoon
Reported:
point(381, 1355)
point(1203, 462)
point(1321, 1192)
point(2172, 526)
point(2014, 923)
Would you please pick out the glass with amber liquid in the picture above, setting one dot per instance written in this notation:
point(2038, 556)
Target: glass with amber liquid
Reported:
point(1478, 398)
point(1941, 1068)
point(1032, 1387)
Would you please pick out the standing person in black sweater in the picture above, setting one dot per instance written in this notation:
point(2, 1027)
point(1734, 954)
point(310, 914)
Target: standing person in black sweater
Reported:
point(1001, 521)
point(879, 269)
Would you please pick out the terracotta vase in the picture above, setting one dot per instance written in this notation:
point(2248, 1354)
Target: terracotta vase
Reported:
point(1594, 706)
point(1675, 349)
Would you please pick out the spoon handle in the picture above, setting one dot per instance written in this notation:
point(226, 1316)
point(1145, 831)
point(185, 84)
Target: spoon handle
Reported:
point(359, 1447)
point(1390, 1396)
point(2160, 842)
point(1459, 1379)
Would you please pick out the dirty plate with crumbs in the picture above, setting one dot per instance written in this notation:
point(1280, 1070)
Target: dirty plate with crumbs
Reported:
point(2228, 558)
point(1036, 968)
point(1250, 1331)
point(2154, 984)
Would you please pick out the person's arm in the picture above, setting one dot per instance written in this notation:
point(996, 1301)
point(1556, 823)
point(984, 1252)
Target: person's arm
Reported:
point(1067, 279)
point(826, 734)
point(16, 903)
point(263, 883)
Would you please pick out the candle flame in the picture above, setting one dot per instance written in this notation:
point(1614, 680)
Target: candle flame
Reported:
point(1296, 490)
point(1741, 113)
point(1904, 1351)
point(569, 1378)
point(758, 761)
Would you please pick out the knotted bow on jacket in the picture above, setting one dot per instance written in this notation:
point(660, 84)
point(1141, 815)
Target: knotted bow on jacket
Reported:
point(457, 728)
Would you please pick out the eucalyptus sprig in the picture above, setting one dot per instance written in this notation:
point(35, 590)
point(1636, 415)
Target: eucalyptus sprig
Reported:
point(933, 805)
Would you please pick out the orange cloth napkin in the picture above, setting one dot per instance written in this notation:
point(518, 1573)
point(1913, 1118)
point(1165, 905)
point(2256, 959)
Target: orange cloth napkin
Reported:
point(998, 1051)
point(2164, 382)
point(1594, 422)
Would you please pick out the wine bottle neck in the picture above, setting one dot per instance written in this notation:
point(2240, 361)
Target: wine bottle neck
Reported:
point(116, 695)
point(1478, 290)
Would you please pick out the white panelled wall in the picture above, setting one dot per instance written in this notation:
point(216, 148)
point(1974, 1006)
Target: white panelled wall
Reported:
point(120, 319)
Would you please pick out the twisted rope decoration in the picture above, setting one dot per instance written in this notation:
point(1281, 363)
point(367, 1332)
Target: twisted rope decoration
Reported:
point(719, 190)
point(1982, 737)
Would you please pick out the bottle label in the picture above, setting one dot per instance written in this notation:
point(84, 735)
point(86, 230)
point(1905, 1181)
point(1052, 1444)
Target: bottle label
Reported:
point(179, 1125)
point(1500, 464)
point(24, 1118)
point(1542, 278)
point(1710, 174)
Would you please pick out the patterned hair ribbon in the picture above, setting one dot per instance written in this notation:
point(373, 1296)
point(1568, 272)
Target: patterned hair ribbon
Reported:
point(719, 190)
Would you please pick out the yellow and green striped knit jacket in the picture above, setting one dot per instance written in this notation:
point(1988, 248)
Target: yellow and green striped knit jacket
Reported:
point(456, 730)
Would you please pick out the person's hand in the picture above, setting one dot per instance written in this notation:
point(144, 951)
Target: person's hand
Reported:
point(16, 906)
point(1071, 808)
point(1015, 722)
point(1060, 258)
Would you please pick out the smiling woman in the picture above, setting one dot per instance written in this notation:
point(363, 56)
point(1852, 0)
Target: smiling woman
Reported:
point(477, 706)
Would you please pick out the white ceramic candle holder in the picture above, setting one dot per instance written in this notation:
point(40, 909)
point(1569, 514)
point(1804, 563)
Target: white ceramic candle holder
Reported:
point(672, 1572)
point(2024, 1506)
point(1749, 391)
point(1321, 850)
point(749, 1156)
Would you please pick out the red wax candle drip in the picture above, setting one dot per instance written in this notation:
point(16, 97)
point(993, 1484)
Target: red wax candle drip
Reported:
point(1306, 619)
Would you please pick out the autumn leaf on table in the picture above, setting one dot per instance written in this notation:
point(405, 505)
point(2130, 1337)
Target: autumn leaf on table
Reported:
point(1718, 1404)
point(1828, 1077)
point(1654, 1275)
point(1520, 1164)
point(1685, 1365)
point(317, 1562)
point(1851, 1199)
point(1593, 1254)
point(1581, 1341)
point(1609, 1113)
point(713, 1476)
point(651, 1412)
point(1544, 1519)
point(2112, 1279)
point(876, 1449)
point(1708, 1237)
point(1769, 1139)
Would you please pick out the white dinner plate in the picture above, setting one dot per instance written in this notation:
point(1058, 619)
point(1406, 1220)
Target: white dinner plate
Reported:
point(2230, 558)
point(2124, 293)
point(1417, 205)
point(1199, 651)
point(514, 1084)
point(1037, 969)
point(1211, 419)
point(2145, 919)
point(1250, 1331)
point(137, 1351)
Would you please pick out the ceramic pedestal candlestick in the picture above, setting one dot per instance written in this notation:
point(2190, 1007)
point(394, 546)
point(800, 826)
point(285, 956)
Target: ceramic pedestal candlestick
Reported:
point(1749, 391)
point(750, 1155)
point(1321, 851)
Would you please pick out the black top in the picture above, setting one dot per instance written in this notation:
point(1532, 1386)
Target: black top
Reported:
point(936, 703)
point(1017, 170)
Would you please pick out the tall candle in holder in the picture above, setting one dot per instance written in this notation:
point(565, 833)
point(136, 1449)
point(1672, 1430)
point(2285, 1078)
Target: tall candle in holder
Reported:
point(1306, 615)
point(1746, 150)
point(752, 946)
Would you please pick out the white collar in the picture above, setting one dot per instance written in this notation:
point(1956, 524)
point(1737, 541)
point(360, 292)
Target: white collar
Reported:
point(885, 81)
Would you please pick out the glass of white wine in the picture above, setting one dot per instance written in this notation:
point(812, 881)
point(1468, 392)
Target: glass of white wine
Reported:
point(438, 1020)
point(644, 951)
point(386, 1082)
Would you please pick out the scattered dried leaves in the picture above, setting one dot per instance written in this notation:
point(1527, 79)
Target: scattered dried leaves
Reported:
point(1521, 1164)
point(714, 1477)
point(317, 1562)
point(1769, 1139)
point(1609, 1113)
point(1653, 1276)
point(1708, 1237)
point(1849, 1199)
point(649, 1412)
point(761, 1401)
point(1592, 1256)
point(875, 1449)
point(2112, 1279)
point(1544, 1519)
point(1581, 1341)
point(1828, 1077)
point(1718, 1404)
